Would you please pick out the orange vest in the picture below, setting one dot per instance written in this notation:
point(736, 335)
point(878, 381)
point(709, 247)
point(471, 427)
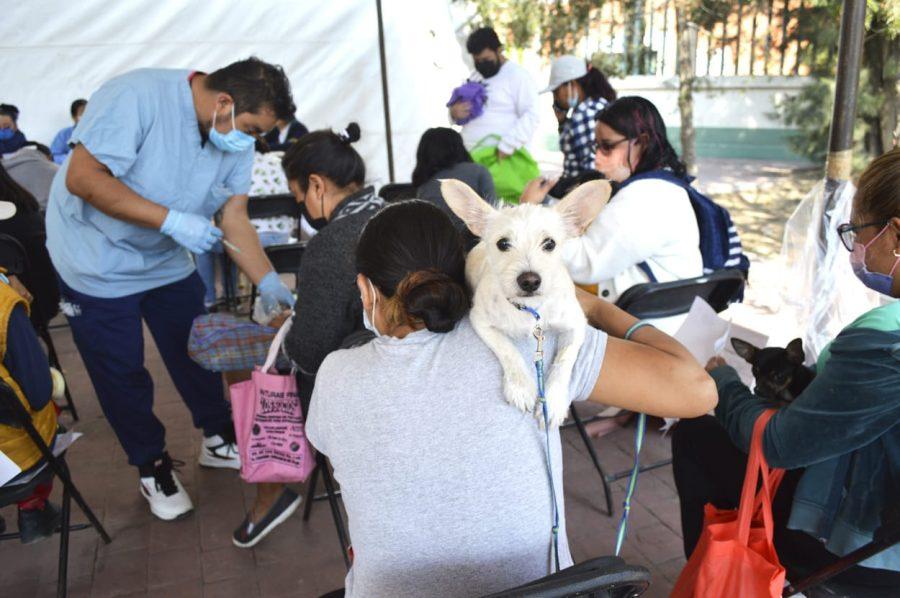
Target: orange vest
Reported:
point(14, 442)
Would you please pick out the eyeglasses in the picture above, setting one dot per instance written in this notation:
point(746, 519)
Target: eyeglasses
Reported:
point(606, 147)
point(847, 232)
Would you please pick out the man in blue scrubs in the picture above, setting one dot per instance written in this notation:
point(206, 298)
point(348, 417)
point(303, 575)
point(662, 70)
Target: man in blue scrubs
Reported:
point(157, 153)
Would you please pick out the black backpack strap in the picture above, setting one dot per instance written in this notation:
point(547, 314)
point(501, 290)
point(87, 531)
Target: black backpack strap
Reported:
point(645, 268)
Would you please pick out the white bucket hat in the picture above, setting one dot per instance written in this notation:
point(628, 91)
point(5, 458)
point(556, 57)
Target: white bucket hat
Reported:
point(565, 69)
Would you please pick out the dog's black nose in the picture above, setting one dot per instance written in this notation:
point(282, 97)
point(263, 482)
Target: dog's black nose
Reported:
point(529, 281)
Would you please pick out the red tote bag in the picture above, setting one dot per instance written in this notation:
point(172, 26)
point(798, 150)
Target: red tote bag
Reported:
point(735, 556)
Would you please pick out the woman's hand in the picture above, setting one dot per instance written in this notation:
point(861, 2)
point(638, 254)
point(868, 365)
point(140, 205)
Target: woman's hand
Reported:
point(715, 362)
point(460, 110)
point(536, 190)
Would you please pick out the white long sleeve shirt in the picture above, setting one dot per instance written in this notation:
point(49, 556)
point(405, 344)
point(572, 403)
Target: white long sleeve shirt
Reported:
point(649, 220)
point(510, 111)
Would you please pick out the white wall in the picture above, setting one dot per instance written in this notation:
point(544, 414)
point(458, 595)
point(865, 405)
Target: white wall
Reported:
point(730, 102)
point(54, 51)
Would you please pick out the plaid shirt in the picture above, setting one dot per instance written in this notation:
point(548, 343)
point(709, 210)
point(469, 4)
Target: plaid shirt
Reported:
point(577, 137)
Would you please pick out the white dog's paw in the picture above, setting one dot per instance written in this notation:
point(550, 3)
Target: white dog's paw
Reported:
point(519, 388)
point(557, 404)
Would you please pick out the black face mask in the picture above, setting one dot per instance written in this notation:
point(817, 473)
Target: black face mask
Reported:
point(487, 68)
point(315, 223)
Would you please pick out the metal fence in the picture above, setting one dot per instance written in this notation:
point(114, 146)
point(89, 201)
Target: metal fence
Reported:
point(745, 38)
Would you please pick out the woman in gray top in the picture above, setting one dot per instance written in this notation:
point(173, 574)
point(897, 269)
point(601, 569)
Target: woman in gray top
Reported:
point(445, 484)
point(442, 155)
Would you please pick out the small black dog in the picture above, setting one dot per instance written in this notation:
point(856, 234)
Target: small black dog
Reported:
point(780, 374)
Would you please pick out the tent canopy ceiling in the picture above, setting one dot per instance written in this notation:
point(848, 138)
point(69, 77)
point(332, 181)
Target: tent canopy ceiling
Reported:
point(331, 57)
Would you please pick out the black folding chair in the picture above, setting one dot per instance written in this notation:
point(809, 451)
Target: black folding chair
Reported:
point(259, 206)
point(15, 414)
point(44, 333)
point(818, 583)
point(661, 300)
point(397, 192)
point(286, 260)
point(354, 339)
point(604, 577)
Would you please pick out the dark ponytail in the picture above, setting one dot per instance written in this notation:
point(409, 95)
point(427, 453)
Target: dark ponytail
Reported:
point(634, 117)
point(326, 154)
point(596, 85)
point(414, 255)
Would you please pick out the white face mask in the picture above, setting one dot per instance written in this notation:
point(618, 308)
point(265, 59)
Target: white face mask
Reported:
point(370, 323)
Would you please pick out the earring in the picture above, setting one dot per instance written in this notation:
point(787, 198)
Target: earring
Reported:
point(896, 254)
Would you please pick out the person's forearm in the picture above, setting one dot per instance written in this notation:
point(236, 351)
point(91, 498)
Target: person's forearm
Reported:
point(91, 181)
point(616, 322)
point(239, 232)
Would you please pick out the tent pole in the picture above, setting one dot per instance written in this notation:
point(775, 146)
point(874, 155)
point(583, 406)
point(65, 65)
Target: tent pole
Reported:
point(384, 93)
point(850, 48)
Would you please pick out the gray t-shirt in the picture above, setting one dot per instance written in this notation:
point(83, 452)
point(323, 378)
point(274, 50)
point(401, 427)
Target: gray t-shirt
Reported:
point(445, 484)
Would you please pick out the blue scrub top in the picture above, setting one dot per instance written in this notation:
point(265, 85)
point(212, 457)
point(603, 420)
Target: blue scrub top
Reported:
point(143, 127)
point(60, 146)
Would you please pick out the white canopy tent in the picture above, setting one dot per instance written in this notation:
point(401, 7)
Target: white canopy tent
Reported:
point(54, 51)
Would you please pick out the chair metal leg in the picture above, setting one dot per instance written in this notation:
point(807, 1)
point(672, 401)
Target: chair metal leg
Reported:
point(336, 513)
point(310, 492)
point(62, 472)
point(589, 445)
point(44, 333)
point(62, 570)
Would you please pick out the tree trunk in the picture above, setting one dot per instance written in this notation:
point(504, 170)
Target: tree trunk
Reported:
point(686, 32)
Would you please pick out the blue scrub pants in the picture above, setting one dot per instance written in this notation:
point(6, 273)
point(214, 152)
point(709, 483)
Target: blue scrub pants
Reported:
point(109, 336)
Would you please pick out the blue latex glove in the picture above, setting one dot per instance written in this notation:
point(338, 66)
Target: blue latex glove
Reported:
point(273, 293)
point(192, 231)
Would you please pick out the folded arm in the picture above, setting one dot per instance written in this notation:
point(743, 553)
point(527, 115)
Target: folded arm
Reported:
point(651, 373)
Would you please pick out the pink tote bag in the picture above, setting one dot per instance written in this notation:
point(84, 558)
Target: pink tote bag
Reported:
point(269, 424)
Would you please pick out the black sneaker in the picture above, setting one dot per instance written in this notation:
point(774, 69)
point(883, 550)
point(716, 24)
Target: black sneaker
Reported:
point(249, 534)
point(162, 489)
point(38, 524)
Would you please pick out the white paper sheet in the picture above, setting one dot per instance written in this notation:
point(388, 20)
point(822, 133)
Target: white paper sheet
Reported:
point(8, 469)
point(705, 334)
point(60, 444)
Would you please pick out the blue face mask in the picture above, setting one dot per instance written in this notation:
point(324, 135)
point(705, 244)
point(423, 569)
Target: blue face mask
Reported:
point(232, 141)
point(6, 134)
point(878, 282)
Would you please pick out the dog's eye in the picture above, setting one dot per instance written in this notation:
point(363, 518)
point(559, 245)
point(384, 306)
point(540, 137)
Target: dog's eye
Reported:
point(548, 244)
point(504, 244)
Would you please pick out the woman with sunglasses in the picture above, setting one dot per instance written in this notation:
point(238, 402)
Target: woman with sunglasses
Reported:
point(648, 232)
point(840, 438)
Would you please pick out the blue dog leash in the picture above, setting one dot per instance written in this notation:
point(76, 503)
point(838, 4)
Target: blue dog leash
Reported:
point(639, 433)
point(538, 333)
point(636, 467)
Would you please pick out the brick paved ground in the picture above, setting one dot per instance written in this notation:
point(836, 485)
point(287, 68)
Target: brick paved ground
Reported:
point(195, 557)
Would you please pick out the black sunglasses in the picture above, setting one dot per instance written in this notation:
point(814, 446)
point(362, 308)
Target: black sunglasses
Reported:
point(606, 147)
point(847, 232)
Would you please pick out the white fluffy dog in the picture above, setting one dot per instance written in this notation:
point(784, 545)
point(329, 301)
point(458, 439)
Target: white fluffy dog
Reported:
point(518, 263)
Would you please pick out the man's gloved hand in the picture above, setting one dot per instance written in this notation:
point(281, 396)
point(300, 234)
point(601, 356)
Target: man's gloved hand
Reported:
point(273, 293)
point(192, 231)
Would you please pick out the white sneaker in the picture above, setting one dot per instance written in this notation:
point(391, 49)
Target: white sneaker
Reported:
point(167, 497)
point(218, 452)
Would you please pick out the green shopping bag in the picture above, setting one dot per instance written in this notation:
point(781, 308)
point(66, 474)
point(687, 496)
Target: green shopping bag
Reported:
point(511, 174)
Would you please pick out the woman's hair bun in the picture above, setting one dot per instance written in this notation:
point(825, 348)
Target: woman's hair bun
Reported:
point(351, 134)
point(434, 298)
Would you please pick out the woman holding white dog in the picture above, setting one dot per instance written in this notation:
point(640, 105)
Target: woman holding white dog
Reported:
point(446, 484)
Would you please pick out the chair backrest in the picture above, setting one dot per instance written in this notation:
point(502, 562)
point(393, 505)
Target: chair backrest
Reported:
point(605, 576)
point(270, 206)
point(664, 299)
point(286, 258)
point(397, 192)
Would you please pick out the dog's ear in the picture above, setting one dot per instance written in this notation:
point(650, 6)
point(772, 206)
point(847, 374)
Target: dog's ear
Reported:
point(744, 349)
point(581, 205)
point(795, 352)
point(466, 204)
